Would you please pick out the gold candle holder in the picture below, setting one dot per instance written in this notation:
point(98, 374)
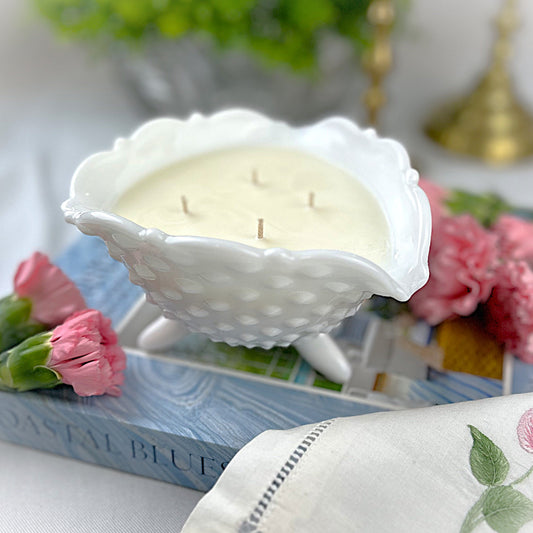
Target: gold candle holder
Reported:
point(490, 123)
point(377, 61)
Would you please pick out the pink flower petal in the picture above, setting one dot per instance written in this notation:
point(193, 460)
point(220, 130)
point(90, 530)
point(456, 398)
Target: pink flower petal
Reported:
point(509, 310)
point(90, 379)
point(525, 431)
point(436, 196)
point(86, 354)
point(53, 295)
point(462, 262)
point(515, 238)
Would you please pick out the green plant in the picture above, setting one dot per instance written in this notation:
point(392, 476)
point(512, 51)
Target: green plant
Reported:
point(277, 31)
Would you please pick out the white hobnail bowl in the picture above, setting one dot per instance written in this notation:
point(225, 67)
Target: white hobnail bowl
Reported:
point(233, 292)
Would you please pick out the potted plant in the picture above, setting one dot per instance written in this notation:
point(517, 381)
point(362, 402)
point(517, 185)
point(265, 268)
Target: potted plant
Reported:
point(291, 58)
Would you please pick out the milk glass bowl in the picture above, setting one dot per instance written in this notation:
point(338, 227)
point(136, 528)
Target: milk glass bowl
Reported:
point(236, 293)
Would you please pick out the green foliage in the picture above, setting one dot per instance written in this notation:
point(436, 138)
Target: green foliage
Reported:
point(278, 31)
point(387, 308)
point(24, 366)
point(15, 321)
point(486, 208)
point(502, 507)
point(488, 463)
point(506, 509)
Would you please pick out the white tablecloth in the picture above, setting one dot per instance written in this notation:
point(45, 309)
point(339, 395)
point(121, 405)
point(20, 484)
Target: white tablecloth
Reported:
point(59, 104)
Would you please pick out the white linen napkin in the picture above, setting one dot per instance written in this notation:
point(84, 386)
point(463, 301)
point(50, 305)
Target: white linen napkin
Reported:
point(457, 468)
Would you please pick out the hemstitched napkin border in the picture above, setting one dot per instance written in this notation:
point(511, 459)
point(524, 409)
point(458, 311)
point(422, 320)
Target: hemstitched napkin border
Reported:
point(252, 523)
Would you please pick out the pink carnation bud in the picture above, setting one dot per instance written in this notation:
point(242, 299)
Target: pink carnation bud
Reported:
point(515, 238)
point(53, 295)
point(509, 310)
point(525, 431)
point(86, 354)
point(462, 259)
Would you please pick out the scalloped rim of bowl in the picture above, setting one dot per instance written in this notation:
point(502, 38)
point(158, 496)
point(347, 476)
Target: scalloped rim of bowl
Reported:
point(400, 284)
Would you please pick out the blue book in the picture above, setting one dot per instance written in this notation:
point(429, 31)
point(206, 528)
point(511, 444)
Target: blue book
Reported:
point(182, 415)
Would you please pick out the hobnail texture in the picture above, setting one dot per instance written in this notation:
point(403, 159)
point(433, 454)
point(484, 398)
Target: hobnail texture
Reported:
point(235, 293)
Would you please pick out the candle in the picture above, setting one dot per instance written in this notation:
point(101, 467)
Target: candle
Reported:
point(175, 176)
point(228, 191)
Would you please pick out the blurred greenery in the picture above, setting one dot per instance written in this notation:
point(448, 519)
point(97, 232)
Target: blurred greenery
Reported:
point(486, 208)
point(323, 383)
point(277, 31)
point(386, 308)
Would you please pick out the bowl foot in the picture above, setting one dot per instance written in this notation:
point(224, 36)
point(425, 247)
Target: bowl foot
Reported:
point(323, 354)
point(161, 333)
point(319, 350)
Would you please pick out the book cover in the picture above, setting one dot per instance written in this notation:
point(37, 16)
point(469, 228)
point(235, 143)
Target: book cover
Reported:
point(178, 419)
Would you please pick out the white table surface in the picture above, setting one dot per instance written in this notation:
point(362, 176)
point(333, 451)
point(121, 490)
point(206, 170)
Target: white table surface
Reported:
point(58, 104)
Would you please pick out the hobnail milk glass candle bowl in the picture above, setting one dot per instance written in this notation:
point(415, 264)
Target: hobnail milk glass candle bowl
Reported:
point(236, 293)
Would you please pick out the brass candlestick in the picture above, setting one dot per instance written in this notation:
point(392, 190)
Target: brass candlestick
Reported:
point(378, 60)
point(490, 123)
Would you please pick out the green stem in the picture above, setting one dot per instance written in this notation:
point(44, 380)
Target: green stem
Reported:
point(24, 367)
point(6, 381)
point(16, 323)
point(521, 478)
point(474, 516)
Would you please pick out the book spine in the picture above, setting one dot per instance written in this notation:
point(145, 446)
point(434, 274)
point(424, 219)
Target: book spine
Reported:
point(52, 427)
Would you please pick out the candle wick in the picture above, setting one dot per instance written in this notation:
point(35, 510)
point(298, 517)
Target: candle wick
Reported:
point(259, 228)
point(255, 177)
point(184, 205)
point(311, 200)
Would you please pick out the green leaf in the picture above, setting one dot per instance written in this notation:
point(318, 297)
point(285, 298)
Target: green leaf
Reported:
point(15, 322)
point(310, 15)
point(506, 509)
point(486, 208)
point(488, 463)
point(172, 24)
point(26, 364)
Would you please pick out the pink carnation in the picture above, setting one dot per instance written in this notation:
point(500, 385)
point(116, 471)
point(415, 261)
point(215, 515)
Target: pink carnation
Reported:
point(436, 196)
point(462, 259)
point(515, 238)
point(525, 431)
point(509, 311)
point(53, 295)
point(86, 354)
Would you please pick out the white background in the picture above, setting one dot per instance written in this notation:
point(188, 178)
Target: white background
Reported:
point(58, 104)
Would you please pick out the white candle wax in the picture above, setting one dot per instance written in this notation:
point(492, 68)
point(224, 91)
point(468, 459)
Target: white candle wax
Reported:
point(227, 191)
